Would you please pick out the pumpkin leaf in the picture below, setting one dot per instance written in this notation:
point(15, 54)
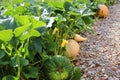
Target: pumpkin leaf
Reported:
point(29, 33)
point(88, 20)
point(36, 45)
point(2, 54)
point(31, 72)
point(67, 6)
point(76, 74)
point(23, 61)
point(13, 62)
point(25, 32)
point(52, 46)
point(9, 77)
point(87, 12)
point(36, 23)
point(7, 23)
point(6, 35)
point(44, 56)
point(4, 62)
point(22, 20)
point(20, 30)
point(52, 3)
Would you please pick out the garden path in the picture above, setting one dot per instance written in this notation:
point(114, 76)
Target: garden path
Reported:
point(99, 57)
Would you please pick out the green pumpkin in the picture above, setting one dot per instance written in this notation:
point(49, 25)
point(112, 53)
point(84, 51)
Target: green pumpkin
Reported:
point(57, 68)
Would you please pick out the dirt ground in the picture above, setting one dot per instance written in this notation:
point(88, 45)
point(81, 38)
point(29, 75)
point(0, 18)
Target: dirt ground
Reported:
point(99, 57)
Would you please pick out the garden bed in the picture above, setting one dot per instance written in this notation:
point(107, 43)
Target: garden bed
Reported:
point(37, 37)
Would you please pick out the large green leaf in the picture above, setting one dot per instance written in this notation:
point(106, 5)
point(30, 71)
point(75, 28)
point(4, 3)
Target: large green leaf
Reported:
point(22, 20)
point(23, 61)
point(17, 8)
point(83, 1)
point(51, 46)
point(44, 56)
point(18, 1)
point(76, 74)
point(36, 45)
point(7, 22)
point(88, 20)
point(31, 72)
point(67, 6)
point(14, 42)
point(36, 23)
point(28, 27)
point(29, 33)
point(25, 32)
point(34, 33)
point(21, 30)
point(4, 63)
point(60, 3)
point(9, 77)
point(79, 22)
point(6, 35)
point(2, 54)
point(13, 61)
point(87, 12)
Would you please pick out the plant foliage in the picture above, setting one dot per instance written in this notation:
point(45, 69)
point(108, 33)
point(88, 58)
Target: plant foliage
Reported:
point(32, 31)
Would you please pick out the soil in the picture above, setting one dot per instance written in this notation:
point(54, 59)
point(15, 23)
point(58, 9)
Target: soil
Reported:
point(99, 57)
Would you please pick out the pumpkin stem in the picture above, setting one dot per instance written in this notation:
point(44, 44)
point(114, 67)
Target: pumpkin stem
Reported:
point(59, 70)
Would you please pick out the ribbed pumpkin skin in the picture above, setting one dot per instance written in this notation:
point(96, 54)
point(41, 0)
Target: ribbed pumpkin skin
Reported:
point(57, 68)
point(72, 49)
point(103, 10)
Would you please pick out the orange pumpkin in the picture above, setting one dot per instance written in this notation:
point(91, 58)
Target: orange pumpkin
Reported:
point(72, 49)
point(103, 10)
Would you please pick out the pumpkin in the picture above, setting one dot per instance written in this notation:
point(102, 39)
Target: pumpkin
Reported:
point(103, 10)
point(79, 38)
point(57, 68)
point(72, 49)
